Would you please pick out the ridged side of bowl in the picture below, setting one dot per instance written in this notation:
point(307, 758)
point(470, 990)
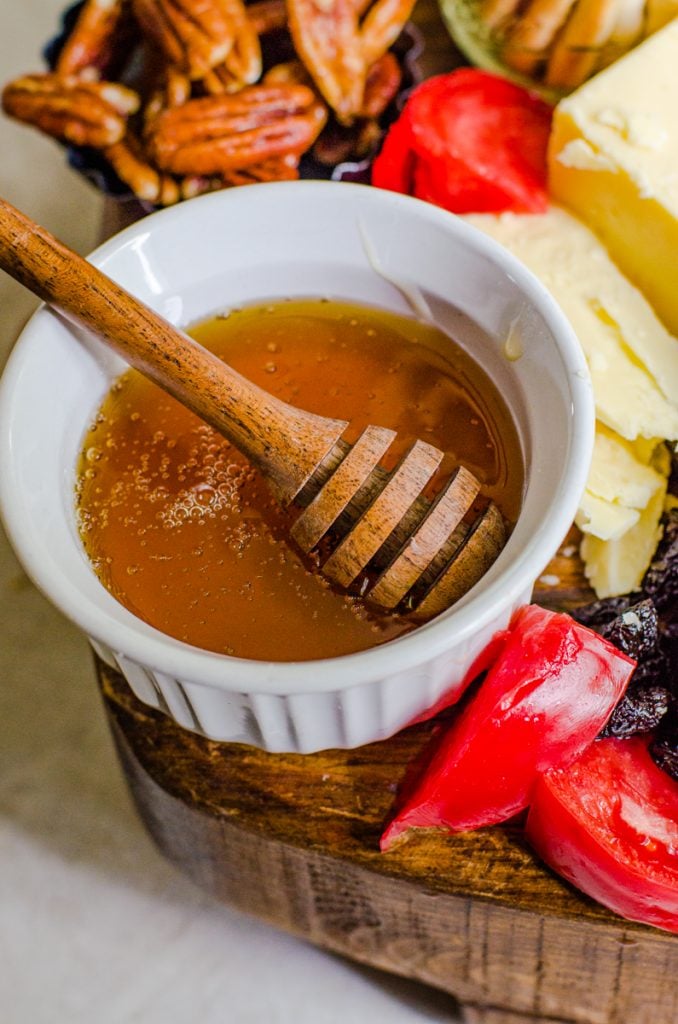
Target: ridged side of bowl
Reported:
point(303, 723)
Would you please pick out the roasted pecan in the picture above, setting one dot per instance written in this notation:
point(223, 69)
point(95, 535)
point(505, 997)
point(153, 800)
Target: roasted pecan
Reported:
point(195, 35)
point(83, 113)
point(280, 168)
point(339, 143)
point(327, 38)
point(197, 185)
point(217, 134)
point(267, 15)
point(381, 26)
point(383, 82)
point(338, 50)
point(177, 88)
point(97, 39)
point(131, 165)
point(243, 60)
point(291, 72)
point(220, 81)
point(242, 63)
point(198, 35)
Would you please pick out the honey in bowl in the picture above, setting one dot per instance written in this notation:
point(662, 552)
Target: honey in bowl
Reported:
point(184, 533)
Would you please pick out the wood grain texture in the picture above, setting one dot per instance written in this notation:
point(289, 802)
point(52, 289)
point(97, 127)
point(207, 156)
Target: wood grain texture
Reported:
point(293, 840)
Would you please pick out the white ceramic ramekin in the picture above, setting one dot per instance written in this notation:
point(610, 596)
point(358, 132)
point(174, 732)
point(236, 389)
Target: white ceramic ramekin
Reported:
point(271, 241)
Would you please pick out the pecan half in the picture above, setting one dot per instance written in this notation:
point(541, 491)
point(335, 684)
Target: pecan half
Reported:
point(129, 162)
point(97, 38)
point(327, 38)
point(383, 82)
point(242, 63)
point(381, 26)
point(243, 60)
point(291, 72)
point(196, 35)
point(177, 88)
point(267, 15)
point(217, 134)
point(83, 113)
point(279, 168)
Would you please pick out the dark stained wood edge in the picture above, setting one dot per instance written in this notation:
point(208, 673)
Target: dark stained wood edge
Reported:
point(292, 840)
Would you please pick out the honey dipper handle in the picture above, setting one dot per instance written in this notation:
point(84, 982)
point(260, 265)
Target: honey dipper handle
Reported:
point(285, 443)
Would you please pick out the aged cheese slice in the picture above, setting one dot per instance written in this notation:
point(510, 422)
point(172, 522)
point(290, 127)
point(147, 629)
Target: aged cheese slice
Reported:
point(618, 475)
point(606, 520)
point(632, 358)
point(618, 566)
point(613, 159)
point(620, 485)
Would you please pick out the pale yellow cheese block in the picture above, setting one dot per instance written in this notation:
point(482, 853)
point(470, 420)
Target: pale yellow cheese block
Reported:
point(621, 484)
point(632, 358)
point(613, 159)
point(606, 520)
point(617, 566)
point(619, 473)
point(628, 352)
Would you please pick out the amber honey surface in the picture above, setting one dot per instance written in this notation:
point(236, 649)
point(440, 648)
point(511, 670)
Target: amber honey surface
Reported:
point(184, 533)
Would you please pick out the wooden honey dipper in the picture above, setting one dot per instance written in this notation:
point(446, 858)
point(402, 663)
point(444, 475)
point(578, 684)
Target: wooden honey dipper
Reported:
point(376, 526)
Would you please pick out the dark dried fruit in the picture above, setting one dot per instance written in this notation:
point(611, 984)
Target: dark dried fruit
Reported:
point(635, 631)
point(599, 613)
point(640, 710)
point(661, 579)
point(664, 747)
point(645, 626)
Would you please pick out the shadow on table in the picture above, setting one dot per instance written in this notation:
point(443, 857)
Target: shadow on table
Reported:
point(60, 780)
point(59, 776)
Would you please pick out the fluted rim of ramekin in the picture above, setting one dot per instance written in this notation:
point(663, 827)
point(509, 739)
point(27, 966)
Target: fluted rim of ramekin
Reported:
point(148, 646)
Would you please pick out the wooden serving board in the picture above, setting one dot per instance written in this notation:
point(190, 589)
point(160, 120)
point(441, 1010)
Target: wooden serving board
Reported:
point(293, 839)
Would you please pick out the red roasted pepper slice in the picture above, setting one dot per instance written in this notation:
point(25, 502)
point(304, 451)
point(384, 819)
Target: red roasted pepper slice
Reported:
point(609, 825)
point(394, 166)
point(472, 142)
point(543, 701)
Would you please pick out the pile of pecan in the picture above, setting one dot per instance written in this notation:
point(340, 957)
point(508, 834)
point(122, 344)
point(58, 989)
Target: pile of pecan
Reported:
point(176, 97)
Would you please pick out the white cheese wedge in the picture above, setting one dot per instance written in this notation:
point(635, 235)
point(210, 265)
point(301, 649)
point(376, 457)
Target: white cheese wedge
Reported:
point(618, 566)
point(613, 159)
point(632, 358)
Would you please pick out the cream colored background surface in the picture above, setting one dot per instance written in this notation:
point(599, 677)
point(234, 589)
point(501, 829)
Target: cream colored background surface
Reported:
point(94, 926)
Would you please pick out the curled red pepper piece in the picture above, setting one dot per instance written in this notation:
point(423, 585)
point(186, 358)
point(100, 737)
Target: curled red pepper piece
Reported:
point(550, 691)
point(609, 825)
point(471, 142)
